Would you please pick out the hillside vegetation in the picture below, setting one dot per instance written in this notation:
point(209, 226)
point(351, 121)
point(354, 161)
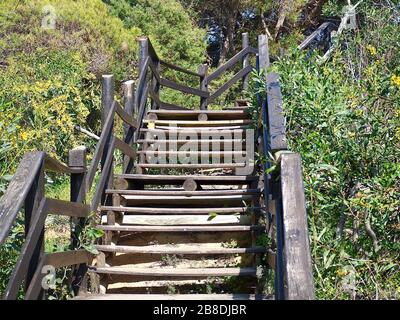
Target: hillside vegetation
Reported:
point(50, 78)
point(343, 117)
point(51, 62)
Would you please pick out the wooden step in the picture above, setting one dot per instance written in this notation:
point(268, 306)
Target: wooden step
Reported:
point(124, 228)
point(176, 272)
point(210, 123)
point(193, 142)
point(202, 128)
point(190, 165)
point(191, 153)
point(183, 220)
point(202, 179)
point(193, 114)
point(182, 192)
point(178, 211)
point(182, 131)
point(178, 200)
point(178, 249)
point(162, 297)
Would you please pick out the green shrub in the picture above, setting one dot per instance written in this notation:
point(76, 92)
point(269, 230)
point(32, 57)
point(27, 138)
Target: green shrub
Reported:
point(343, 118)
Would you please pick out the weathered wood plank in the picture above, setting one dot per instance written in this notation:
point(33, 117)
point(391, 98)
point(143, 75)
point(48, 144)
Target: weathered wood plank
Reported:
point(245, 60)
point(178, 211)
point(222, 179)
point(238, 76)
point(104, 176)
point(211, 113)
point(14, 197)
point(185, 220)
point(192, 272)
point(125, 116)
point(212, 192)
point(22, 265)
point(315, 35)
point(203, 70)
point(178, 249)
point(192, 165)
point(68, 258)
point(200, 123)
point(107, 96)
point(125, 148)
point(67, 208)
point(185, 89)
point(229, 64)
point(236, 228)
point(100, 148)
point(297, 262)
point(263, 52)
point(154, 132)
point(276, 119)
point(52, 164)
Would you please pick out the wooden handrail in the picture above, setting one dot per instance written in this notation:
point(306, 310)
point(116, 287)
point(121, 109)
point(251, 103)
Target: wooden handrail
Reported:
point(180, 87)
point(238, 76)
point(292, 262)
point(17, 191)
point(54, 165)
point(180, 69)
point(125, 116)
point(229, 64)
point(322, 30)
point(100, 147)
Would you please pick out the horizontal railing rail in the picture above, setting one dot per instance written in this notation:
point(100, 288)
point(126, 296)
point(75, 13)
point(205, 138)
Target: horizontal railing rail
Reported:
point(320, 38)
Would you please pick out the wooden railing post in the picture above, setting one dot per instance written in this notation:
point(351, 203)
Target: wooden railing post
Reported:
point(203, 85)
point(143, 51)
point(106, 103)
point(107, 96)
point(155, 85)
point(77, 159)
point(263, 51)
point(32, 201)
point(143, 55)
point(276, 119)
point(246, 59)
point(297, 269)
point(128, 130)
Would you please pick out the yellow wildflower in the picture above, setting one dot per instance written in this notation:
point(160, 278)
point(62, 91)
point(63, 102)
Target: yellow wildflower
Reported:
point(24, 136)
point(372, 50)
point(396, 80)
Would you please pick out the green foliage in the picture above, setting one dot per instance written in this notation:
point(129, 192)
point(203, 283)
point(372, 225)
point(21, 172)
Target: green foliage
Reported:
point(174, 36)
point(343, 118)
point(49, 77)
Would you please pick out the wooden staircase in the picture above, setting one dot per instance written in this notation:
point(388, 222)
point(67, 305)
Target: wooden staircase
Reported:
point(174, 231)
point(187, 211)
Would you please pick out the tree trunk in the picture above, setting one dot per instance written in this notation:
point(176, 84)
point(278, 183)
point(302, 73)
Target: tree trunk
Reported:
point(228, 40)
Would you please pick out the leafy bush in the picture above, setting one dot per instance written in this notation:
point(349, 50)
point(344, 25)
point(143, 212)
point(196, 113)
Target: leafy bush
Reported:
point(50, 80)
point(174, 36)
point(343, 118)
